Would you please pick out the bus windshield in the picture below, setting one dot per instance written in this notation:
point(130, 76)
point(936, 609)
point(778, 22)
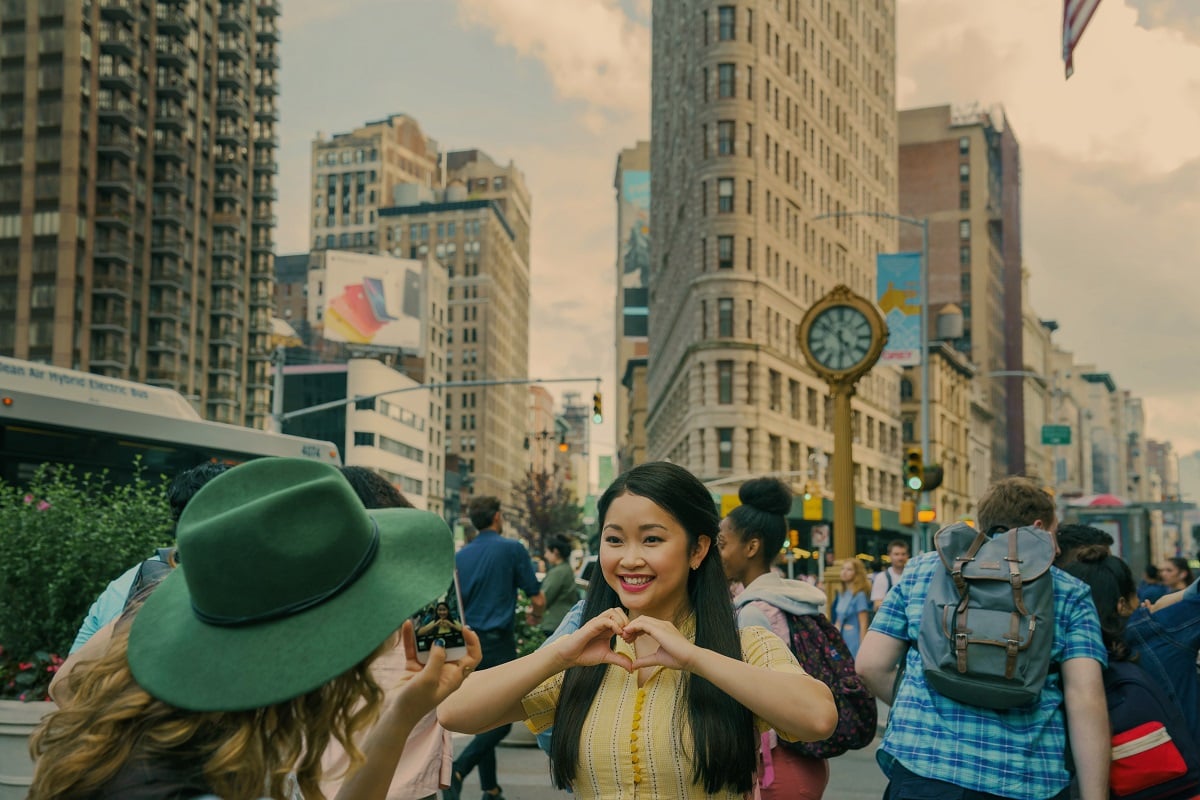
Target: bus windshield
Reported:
point(54, 415)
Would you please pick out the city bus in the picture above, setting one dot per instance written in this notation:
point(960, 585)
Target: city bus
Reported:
point(54, 415)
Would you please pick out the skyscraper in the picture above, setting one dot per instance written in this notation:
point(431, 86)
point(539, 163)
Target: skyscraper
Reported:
point(961, 169)
point(766, 115)
point(478, 228)
point(632, 184)
point(137, 160)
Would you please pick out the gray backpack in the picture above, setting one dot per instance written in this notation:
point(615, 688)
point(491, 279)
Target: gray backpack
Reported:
point(988, 622)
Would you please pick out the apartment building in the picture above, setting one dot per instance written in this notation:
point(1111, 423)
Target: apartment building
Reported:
point(137, 163)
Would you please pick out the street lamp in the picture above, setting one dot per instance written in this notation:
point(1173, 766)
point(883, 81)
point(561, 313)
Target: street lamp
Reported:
point(923, 224)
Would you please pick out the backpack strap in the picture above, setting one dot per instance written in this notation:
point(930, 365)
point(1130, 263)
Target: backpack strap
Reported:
point(960, 584)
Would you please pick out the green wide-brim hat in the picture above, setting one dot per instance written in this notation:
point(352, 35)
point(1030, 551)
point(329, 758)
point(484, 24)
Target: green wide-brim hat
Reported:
point(285, 582)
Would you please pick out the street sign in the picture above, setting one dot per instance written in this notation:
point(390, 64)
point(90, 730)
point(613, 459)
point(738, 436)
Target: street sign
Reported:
point(1056, 434)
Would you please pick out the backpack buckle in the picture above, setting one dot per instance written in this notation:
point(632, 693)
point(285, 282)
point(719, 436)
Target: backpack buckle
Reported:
point(960, 649)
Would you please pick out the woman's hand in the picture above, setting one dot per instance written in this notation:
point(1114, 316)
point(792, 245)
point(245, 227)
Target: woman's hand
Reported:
point(591, 644)
point(430, 683)
point(674, 649)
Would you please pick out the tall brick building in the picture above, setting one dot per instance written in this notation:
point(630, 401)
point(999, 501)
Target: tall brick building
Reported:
point(137, 163)
point(962, 171)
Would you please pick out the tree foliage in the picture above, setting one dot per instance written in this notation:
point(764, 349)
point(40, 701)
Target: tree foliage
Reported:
point(62, 539)
point(544, 506)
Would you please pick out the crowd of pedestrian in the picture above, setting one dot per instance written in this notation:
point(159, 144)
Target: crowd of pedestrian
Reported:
point(270, 652)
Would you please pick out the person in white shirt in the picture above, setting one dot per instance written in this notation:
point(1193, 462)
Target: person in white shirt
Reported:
point(883, 581)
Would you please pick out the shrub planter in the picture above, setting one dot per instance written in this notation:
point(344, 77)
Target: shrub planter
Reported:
point(17, 721)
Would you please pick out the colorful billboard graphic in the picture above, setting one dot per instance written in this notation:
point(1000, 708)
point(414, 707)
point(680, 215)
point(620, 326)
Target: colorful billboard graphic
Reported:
point(898, 282)
point(374, 300)
point(634, 229)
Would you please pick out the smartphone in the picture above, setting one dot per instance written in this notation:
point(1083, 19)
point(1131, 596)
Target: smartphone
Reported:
point(374, 290)
point(412, 294)
point(441, 619)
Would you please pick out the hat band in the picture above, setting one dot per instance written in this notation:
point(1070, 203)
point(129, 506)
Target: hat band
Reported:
point(299, 605)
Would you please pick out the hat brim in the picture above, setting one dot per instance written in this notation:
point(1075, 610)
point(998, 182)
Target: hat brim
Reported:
point(201, 667)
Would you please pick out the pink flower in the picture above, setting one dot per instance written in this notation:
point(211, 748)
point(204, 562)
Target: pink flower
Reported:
point(43, 505)
point(52, 668)
point(24, 665)
point(28, 499)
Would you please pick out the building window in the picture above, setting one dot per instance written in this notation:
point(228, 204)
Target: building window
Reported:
point(775, 444)
point(363, 439)
point(724, 138)
point(775, 390)
point(725, 448)
point(964, 199)
point(724, 252)
point(725, 75)
point(964, 145)
point(906, 389)
point(725, 382)
point(725, 23)
point(725, 316)
point(964, 172)
point(725, 195)
point(794, 398)
point(964, 256)
point(964, 229)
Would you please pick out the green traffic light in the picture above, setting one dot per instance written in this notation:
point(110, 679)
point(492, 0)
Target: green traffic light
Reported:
point(914, 483)
point(597, 419)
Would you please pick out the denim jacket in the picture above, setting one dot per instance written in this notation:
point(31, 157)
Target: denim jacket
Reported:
point(1167, 642)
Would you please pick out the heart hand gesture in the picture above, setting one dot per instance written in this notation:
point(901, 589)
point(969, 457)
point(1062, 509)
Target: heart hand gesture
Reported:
point(591, 644)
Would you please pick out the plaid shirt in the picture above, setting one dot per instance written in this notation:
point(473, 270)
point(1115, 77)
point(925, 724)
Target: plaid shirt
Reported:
point(1017, 753)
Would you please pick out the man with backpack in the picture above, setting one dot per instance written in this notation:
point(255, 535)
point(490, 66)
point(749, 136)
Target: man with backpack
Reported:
point(1009, 738)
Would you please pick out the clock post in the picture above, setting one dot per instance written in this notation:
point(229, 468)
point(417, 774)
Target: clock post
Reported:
point(842, 336)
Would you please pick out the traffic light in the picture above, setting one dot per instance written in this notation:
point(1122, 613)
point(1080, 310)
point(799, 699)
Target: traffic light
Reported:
point(908, 513)
point(562, 443)
point(933, 477)
point(914, 469)
point(597, 409)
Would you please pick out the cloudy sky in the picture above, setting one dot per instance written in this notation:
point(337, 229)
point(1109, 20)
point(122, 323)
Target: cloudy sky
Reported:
point(1111, 158)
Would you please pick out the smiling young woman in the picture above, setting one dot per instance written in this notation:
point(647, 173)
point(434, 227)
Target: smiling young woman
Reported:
point(669, 696)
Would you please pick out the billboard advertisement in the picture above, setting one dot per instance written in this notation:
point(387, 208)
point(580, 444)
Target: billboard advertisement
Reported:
point(633, 219)
point(374, 300)
point(898, 282)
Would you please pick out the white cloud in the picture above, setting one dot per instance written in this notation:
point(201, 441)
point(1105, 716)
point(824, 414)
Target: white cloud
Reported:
point(1133, 96)
point(591, 49)
point(1110, 164)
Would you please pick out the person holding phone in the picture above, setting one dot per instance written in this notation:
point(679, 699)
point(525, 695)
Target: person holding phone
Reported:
point(658, 694)
point(424, 767)
point(490, 571)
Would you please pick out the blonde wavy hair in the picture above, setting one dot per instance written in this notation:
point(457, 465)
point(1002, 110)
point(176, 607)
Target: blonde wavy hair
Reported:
point(110, 720)
point(860, 582)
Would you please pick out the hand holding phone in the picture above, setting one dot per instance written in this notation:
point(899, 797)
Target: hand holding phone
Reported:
point(441, 619)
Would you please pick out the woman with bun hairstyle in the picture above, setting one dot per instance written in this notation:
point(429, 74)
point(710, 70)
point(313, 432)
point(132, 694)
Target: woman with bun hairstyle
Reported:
point(233, 675)
point(658, 694)
point(852, 609)
point(750, 538)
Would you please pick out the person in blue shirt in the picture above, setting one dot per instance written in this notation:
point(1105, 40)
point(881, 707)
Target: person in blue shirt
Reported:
point(935, 747)
point(490, 571)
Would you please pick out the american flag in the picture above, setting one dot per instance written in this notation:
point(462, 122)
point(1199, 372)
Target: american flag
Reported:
point(1076, 15)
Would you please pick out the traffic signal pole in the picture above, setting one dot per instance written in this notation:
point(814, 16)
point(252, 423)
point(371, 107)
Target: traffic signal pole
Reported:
point(926, 365)
point(282, 417)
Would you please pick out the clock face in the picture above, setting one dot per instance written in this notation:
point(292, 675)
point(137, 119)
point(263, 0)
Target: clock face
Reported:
point(840, 338)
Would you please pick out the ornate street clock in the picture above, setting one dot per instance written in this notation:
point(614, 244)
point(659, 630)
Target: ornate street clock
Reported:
point(842, 336)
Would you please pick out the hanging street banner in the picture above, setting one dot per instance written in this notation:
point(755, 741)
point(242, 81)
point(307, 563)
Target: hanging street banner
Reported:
point(898, 283)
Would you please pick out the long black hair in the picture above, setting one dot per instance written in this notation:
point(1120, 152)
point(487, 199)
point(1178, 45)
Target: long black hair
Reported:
point(1110, 580)
point(725, 744)
point(763, 515)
